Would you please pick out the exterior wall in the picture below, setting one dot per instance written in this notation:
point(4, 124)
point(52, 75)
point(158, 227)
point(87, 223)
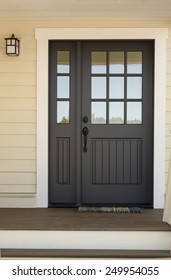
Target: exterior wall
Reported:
point(168, 104)
point(18, 107)
point(18, 119)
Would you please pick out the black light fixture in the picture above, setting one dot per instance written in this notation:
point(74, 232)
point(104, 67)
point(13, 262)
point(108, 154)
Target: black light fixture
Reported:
point(12, 46)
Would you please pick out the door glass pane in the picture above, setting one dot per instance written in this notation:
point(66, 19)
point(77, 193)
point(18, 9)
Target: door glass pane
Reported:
point(134, 62)
point(63, 87)
point(116, 62)
point(63, 112)
point(116, 87)
point(98, 87)
point(134, 87)
point(98, 62)
point(116, 112)
point(63, 61)
point(134, 112)
point(98, 112)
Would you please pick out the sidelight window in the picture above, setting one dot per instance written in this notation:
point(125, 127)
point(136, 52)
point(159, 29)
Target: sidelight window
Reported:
point(63, 87)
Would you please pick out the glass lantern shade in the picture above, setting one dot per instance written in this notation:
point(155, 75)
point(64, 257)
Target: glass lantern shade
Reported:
point(12, 46)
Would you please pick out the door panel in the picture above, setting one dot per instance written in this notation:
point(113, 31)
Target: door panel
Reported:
point(101, 123)
point(116, 161)
point(117, 167)
point(62, 127)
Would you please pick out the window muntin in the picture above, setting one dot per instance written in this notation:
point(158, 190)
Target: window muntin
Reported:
point(117, 80)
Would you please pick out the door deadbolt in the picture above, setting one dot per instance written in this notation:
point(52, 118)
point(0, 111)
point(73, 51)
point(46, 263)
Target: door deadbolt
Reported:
point(85, 119)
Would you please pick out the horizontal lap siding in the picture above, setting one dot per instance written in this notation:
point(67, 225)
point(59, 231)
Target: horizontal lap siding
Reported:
point(19, 153)
point(18, 120)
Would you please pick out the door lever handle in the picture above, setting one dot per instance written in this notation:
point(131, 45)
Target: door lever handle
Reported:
point(85, 132)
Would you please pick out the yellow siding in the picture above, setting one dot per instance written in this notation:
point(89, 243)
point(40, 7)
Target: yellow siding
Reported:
point(18, 106)
point(17, 165)
point(17, 128)
point(17, 141)
point(20, 153)
point(19, 178)
point(20, 91)
point(17, 189)
point(17, 79)
point(18, 118)
point(12, 116)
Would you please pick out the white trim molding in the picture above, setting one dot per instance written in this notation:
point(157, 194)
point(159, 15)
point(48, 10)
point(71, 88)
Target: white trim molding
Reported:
point(43, 35)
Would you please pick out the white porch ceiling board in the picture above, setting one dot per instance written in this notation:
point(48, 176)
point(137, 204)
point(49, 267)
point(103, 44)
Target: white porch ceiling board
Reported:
point(53, 9)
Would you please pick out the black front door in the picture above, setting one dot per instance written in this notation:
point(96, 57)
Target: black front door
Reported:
point(101, 123)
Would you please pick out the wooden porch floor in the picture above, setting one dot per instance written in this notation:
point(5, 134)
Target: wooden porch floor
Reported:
point(70, 219)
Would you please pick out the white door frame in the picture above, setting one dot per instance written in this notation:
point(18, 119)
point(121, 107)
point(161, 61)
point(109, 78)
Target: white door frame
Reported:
point(43, 35)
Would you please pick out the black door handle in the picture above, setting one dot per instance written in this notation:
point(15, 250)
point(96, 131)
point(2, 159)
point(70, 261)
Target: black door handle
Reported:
point(85, 132)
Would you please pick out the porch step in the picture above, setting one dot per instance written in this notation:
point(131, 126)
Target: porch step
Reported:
point(80, 253)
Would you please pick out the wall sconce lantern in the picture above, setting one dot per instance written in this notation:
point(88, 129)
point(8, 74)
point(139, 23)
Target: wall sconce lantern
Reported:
point(12, 46)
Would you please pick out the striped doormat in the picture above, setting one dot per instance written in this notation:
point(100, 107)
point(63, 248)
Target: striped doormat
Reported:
point(82, 209)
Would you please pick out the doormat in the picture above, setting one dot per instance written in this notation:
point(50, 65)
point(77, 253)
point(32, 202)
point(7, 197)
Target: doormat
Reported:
point(82, 209)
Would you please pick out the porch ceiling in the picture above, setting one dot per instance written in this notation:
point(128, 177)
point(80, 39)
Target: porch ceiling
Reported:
point(53, 9)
